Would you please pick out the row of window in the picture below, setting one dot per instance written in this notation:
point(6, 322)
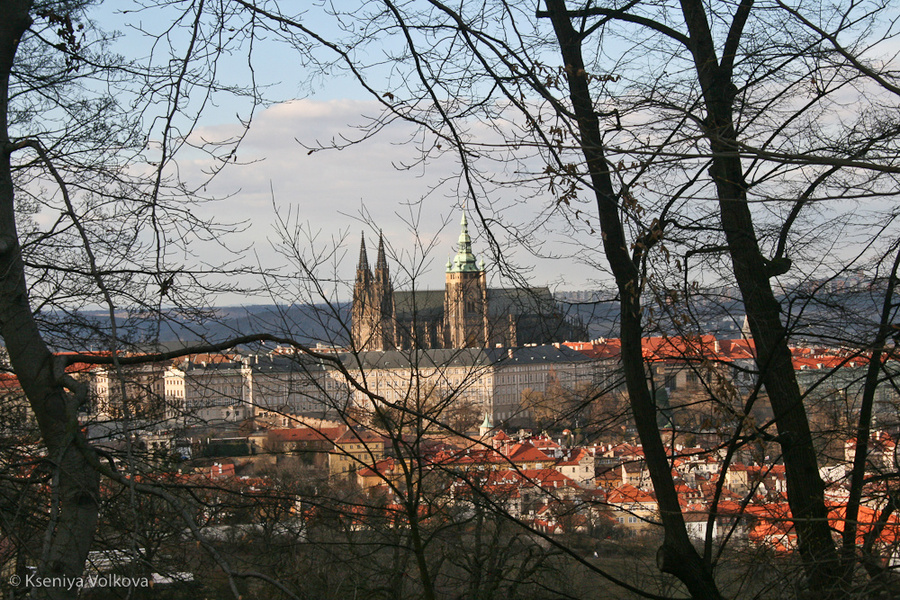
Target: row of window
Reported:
point(631, 519)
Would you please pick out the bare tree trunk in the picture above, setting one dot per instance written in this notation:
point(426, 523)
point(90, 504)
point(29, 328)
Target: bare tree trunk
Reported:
point(75, 488)
point(677, 555)
point(752, 272)
point(849, 555)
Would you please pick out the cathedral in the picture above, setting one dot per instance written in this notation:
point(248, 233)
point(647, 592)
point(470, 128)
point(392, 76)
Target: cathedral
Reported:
point(465, 314)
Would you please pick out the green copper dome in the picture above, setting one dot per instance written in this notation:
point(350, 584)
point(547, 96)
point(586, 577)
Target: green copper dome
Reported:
point(464, 261)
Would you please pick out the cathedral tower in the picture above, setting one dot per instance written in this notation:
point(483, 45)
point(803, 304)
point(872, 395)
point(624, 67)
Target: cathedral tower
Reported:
point(465, 297)
point(360, 313)
point(385, 329)
point(373, 303)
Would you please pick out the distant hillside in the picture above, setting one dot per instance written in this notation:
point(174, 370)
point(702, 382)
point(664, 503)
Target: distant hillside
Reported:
point(831, 316)
point(829, 312)
point(307, 324)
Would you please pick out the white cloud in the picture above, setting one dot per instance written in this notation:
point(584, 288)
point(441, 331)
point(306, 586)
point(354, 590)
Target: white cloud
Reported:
point(327, 188)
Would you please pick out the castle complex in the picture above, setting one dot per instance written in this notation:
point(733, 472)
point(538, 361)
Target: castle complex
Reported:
point(465, 314)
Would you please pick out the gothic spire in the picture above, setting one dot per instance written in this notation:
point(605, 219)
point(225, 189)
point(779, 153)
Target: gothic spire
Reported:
point(363, 259)
point(381, 262)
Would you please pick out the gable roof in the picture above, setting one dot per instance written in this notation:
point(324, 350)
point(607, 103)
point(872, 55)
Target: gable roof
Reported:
point(423, 304)
point(525, 452)
point(359, 435)
point(628, 494)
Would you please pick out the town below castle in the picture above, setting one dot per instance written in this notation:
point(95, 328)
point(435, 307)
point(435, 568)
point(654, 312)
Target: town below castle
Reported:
point(487, 393)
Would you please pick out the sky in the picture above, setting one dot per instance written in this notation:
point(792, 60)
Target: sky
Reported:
point(333, 194)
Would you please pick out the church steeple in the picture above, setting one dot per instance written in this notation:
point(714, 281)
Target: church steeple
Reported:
point(384, 297)
point(363, 259)
point(373, 303)
point(464, 261)
point(361, 311)
point(486, 426)
point(363, 272)
point(745, 329)
point(381, 262)
point(465, 297)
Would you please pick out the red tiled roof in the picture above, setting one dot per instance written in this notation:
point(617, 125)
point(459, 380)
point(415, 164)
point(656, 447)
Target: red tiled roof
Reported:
point(572, 459)
point(302, 434)
point(628, 494)
point(865, 518)
point(545, 478)
point(525, 452)
point(359, 435)
point(681, 348)
point(380, 469)
point(541, 443)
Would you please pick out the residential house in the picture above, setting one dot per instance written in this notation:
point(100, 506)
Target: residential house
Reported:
point(633, 508)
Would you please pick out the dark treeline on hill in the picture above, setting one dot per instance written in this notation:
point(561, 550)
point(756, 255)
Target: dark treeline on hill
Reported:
point(833, 312)
point(306, 324)
point(820, 314)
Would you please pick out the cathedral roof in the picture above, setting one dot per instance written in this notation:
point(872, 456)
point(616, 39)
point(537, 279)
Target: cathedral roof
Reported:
point(538, 318)
point(422, 303)
point(501, 301)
